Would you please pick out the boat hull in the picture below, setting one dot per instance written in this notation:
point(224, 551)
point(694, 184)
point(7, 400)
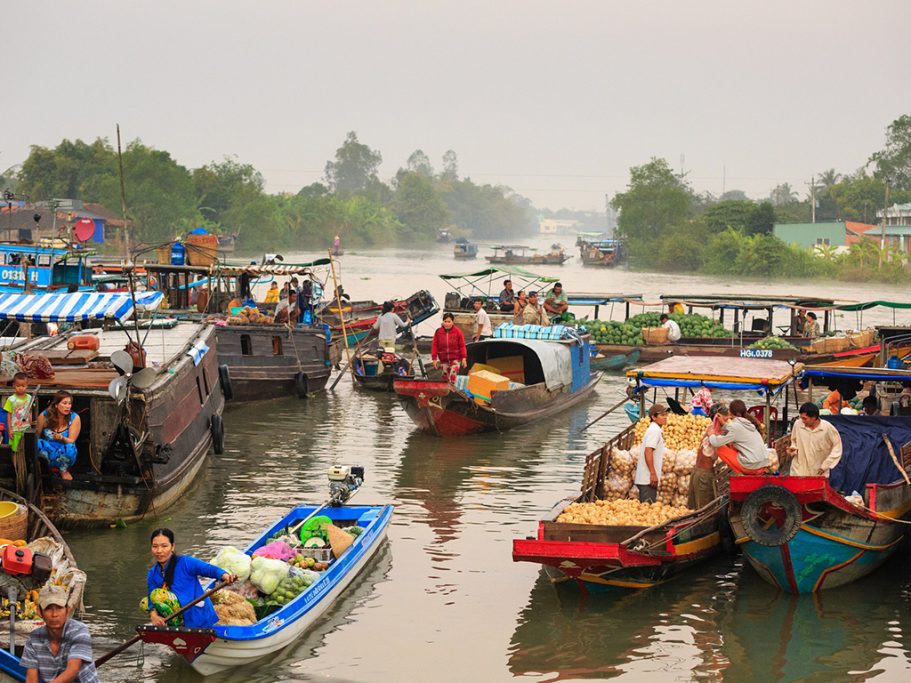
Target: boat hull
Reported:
point(438, 408)
point(835, 543)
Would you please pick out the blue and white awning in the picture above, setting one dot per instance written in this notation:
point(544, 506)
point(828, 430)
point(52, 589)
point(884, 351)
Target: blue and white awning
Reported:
point(74, 307)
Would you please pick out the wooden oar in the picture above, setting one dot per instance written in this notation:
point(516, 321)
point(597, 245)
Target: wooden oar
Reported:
point(604, 414)
point(132, 641)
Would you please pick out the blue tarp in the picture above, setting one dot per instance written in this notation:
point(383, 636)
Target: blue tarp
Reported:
point(73, 307)
point(865, 457)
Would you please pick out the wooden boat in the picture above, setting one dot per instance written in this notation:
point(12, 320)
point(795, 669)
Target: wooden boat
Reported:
point(271, 361)
point(802, 534)
point(140, 448)
point(602, 253)
point(619, 361)
point(38, 526)
point(463, 250)
point(552, 377)
point(211, 651)
point(378, 371)
point(600, 558)
point(50, 265)
point(518, 255)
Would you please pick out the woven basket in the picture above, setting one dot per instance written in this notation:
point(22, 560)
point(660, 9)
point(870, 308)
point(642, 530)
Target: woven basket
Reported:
point(838, 344)
point(202, 250)
point(13, 521)
point(163, 254)
point(654, 335)
point(338, 539)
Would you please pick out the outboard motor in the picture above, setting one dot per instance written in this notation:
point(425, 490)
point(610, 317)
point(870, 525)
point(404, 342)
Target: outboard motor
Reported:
point(21, 570)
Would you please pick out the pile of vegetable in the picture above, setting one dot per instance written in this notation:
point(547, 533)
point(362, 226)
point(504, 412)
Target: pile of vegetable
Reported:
point(681, 432)
point(278, 572)
point(630, 332)
point(772, 343)
point(624, 512)
point(250, 316)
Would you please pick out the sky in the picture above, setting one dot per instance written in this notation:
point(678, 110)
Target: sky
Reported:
point(556, 100)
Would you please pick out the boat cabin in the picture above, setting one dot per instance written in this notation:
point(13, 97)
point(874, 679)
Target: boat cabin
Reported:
point(48, 268)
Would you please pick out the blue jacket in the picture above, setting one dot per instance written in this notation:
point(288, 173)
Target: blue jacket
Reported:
point(186, 587)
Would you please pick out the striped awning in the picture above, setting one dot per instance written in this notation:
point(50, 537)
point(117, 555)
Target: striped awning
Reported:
point(74, 307)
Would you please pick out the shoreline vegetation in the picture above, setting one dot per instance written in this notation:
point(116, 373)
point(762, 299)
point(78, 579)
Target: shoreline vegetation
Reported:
point(668, 226)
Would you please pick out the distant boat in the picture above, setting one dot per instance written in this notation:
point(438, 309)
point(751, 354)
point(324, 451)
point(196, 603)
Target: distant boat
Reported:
point(444, 236)
point(464, 250)
point(518, 255)
point(603, 253)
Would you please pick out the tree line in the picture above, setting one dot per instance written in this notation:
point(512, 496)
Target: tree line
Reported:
point(165, 199)
point(670, 227)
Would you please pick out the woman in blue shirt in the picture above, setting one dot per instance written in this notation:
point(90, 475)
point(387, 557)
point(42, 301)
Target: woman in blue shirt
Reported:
point(180, 575)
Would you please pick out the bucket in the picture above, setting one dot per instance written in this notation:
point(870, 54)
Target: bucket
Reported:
point(370, 368)
point(894, 363)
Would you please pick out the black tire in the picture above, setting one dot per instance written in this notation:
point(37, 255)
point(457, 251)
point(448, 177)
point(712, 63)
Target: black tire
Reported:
point(224, 376)
point(217, 428)
point(301, 385)
point(754, 513)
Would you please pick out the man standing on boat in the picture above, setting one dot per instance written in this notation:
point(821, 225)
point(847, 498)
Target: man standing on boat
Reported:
point(388, 326)
point(482, 327)
point(448, 347)
point(648, 468)
point(507, 297)
point(815, 444)
point(673, 329)
point(811, 327)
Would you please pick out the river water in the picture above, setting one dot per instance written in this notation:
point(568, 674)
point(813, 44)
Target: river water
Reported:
point(443, 600)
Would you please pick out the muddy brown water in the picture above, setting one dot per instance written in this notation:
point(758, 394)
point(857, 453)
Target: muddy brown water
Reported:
point(443, 600)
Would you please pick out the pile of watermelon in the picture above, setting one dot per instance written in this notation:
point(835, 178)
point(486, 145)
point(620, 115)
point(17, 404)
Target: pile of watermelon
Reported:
point(630, 332)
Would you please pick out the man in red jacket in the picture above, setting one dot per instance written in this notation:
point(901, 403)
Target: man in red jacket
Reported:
point(448, 347)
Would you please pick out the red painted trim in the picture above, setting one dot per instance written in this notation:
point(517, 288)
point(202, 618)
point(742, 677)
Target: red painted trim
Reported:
point(546, 552)
point(857, 352)
point(788, 568)
point(805, 489)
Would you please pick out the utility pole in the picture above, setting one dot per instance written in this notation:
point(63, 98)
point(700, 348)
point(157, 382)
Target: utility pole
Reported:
point(813, 199)
point(882, 227)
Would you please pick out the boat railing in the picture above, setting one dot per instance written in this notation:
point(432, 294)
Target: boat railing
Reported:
point(597, 464)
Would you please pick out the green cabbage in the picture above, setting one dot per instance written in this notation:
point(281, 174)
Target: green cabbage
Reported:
point(233, 561)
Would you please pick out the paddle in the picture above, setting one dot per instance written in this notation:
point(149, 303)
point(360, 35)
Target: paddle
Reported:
point(132, 641)
point(604, 414)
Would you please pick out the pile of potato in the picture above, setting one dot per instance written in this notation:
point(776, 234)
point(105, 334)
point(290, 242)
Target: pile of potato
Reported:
point(673, 484)
point(624, 512)
point(681, 431)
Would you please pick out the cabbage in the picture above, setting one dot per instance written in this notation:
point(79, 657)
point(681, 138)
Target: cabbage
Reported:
point(233, 561)
point(267, 574)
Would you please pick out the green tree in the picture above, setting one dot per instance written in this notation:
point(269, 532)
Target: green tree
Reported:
point(450, 166)
point(219, 186)
point(893, 162)
point(418, 162)
point(783, 195)
point(858, 196)
point(418, 206)
point(73, 169)
point(354, 167)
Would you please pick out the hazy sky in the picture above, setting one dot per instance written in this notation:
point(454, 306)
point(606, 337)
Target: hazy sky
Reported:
point(556, 99)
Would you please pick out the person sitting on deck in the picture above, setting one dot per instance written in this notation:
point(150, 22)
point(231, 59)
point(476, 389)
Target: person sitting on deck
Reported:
point(815, 444)
point(556, 303)
point(507, 297)
point(272, 294)
point(61, 650)
point(870, 406)
point(521, 303)
point(673, 329)
point(834, 403)
point(740, 444)
point(58, 428)
point(534, 313)
point(281, 308)
point(811, 327)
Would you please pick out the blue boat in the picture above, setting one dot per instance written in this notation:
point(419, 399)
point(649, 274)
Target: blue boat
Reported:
point(210, 651)
point(47, 268)
point(806, 534)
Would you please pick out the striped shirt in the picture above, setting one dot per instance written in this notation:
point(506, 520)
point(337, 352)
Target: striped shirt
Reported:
point(75, 643)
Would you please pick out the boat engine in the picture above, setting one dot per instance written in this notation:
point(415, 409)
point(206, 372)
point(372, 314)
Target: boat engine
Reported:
point(344, 480)
point(21, 570)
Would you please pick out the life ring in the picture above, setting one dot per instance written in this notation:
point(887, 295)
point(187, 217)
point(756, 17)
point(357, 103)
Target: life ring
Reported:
point(771, 515)
point(301, 385)
point(217, 428)
point(224, 376)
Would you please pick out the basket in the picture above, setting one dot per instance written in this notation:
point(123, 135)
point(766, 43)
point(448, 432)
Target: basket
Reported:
point(163, 254)
point(837, 344)
point(318, 554)
point(860, 340)
point(654, 335)
point(13, 521)
point(202, 250)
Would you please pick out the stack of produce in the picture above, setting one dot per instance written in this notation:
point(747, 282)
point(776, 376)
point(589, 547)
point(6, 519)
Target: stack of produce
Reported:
point(620, 513)
point(233, 609)
point(250, 316)
point(673, 483)
point(772, 343)
point(680, 432)
point(630, 332)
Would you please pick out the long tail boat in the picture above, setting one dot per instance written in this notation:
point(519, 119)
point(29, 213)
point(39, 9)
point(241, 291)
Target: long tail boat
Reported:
point(552, 376)
point(806, 534)
point(144, 433)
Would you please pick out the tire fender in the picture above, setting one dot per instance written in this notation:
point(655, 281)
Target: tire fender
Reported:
point(301, 385)
point(217, 428)
point(224, 376)
point(773, 503)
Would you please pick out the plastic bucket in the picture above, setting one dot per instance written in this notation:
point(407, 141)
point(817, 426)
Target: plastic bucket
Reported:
point(370, 368)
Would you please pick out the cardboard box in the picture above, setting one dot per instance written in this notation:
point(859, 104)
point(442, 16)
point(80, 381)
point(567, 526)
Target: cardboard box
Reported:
point(482, 384)
point(509, 366)
point(478, 367)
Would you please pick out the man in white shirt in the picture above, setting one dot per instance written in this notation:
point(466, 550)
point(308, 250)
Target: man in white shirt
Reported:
point(815, 444)
point(648, 468)
point(482, 328)
point(388, 326)
point(673, 329)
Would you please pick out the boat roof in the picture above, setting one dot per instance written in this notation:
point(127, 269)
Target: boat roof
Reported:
point(597, 298)
point(758, 374)
point(75, 306)
point(515, 271)
point(270, 269)
point(866, 374)
point(511, 246)
point(554, 357)
point(62, 251)
point(746, 301)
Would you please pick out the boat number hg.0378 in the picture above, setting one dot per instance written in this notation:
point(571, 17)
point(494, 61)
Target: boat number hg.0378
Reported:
point(755, 353)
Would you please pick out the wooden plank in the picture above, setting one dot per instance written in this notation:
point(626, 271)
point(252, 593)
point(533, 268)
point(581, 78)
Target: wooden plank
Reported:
point(67, 357)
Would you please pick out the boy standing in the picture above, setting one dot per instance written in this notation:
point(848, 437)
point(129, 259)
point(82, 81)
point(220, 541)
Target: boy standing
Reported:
point(18, 409)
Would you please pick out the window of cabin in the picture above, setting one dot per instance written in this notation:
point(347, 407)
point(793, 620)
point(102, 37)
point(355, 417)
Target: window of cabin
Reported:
point(277, 346)
point(44, 259)
point(199, 391)
point(246, 345)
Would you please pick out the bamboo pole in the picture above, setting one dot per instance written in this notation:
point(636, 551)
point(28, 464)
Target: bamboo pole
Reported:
point(341, 314)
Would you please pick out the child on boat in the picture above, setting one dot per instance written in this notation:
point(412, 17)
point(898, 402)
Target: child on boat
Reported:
point(18, 409)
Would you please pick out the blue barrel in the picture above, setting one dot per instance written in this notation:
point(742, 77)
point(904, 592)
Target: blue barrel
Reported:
point(178, 254)
point(894, 363)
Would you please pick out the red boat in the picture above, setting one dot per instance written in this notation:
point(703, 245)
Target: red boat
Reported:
point(554, 376)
